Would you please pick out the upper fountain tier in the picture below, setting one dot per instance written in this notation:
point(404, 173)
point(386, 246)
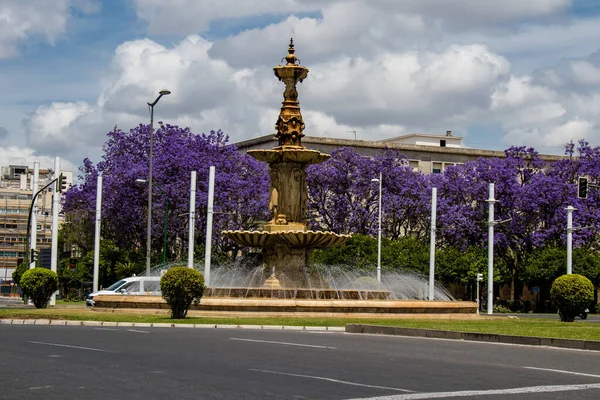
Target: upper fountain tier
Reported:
point(290, 125)
point(288, 193)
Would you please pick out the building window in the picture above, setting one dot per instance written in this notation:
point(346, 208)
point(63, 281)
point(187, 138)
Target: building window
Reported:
point(443, 143)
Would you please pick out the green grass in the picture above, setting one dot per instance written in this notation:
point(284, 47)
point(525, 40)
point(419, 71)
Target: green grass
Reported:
point(498, 325)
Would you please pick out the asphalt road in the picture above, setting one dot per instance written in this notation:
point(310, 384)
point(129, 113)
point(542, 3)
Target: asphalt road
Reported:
point(64, 362)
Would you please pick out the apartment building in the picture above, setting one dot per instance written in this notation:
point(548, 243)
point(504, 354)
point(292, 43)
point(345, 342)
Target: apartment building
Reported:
point(15, 199)
point(427, 153)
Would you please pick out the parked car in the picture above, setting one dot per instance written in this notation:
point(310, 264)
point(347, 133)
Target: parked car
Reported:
point(135, 285)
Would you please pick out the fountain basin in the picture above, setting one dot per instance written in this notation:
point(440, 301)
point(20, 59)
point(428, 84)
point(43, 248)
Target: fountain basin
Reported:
point(296, 307)
point(298, 293)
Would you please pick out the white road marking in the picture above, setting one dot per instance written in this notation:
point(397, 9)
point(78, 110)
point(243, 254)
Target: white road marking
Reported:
point(284, 343)
point(563, 371)
point(470, 393)
point(40, 387)
point(70, 347)
point(137, 331)
point(332, 380)
point(106, 329)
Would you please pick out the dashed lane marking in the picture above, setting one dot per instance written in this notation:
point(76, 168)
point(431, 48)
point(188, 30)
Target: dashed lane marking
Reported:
point(323, 378)
point(284, 343)
point(471, 393)
point(560, 371)
point(71, 347)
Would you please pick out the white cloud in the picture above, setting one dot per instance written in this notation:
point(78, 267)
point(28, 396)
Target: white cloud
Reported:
point(556, 136)
point(13, 155)
point(192, 16)
point(379, 95)
point(380, 68)
point(20, 20)
point(585, 73)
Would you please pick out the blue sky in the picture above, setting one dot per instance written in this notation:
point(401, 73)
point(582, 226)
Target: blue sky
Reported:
point(499, 73)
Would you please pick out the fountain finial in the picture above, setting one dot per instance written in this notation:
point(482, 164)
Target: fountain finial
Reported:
point(290, 125)
point(291, 57)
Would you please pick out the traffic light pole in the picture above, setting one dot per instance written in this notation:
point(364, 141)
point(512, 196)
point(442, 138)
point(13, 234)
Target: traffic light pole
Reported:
point(27, 244)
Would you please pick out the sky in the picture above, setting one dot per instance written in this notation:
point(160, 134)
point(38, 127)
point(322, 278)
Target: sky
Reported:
point(496, 72)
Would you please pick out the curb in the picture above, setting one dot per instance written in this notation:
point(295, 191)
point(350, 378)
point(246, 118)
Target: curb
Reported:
point(165, 325)
point(474, 336)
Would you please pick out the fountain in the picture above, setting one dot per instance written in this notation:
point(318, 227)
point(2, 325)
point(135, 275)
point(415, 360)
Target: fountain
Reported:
point(285, 239)
point(287, 283)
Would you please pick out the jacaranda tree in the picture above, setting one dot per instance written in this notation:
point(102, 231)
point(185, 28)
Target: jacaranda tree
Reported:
point(241, 189)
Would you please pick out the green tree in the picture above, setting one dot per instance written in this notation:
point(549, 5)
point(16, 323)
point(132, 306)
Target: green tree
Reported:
point(405, 253)
point(360, 251)
point(18, 272)
point(456, 266)
point(545, 264)
point(586, 262)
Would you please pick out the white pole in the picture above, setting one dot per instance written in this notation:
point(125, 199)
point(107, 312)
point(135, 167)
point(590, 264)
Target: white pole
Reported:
point(490, 281)
point(55, 208)
point(432, 244)
point(477, 283)
point(379, 232)
point(209, 218)
point(192, 220)
point(570, 210)
point(97, 233)
point(34, 189)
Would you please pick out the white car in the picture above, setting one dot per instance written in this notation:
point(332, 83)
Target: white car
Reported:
point(135, 285)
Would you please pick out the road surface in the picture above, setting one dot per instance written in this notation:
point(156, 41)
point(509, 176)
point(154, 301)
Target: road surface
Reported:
point(68, 362)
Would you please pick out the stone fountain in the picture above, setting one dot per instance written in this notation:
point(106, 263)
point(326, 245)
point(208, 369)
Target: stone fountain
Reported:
point(293, 289)
point(285, 239)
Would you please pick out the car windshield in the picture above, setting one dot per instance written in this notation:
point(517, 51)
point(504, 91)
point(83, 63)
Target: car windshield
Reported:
point(116, 285)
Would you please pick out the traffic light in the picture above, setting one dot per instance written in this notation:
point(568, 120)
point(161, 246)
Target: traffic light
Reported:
point(582, 187)
point(34, 256)
point(61, 185)
point(479, 277)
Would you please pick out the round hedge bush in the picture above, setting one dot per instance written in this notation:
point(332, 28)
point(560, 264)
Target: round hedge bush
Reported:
point(571, 294)
point(180, 286)
point(39, 284)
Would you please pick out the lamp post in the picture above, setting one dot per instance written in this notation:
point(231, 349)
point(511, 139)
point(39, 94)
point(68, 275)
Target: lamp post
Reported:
point(166, 218)
point(570, 230)
point(149, 227)
point(379, 229)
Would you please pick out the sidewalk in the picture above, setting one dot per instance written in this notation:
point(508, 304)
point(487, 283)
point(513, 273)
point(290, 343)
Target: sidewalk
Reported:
point(165, 325)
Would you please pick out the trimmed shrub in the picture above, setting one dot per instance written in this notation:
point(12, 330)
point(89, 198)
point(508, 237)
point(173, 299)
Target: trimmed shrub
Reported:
point(39, 284)
point(571, 294)
point(18, 272)
point(180, 286)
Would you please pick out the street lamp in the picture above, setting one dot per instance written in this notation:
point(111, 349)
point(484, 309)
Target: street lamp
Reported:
point(166, 218)
point(149, 227)
point(380, 180)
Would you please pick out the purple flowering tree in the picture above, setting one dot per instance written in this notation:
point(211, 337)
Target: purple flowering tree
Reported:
point(241, 188)
point(343, 198)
